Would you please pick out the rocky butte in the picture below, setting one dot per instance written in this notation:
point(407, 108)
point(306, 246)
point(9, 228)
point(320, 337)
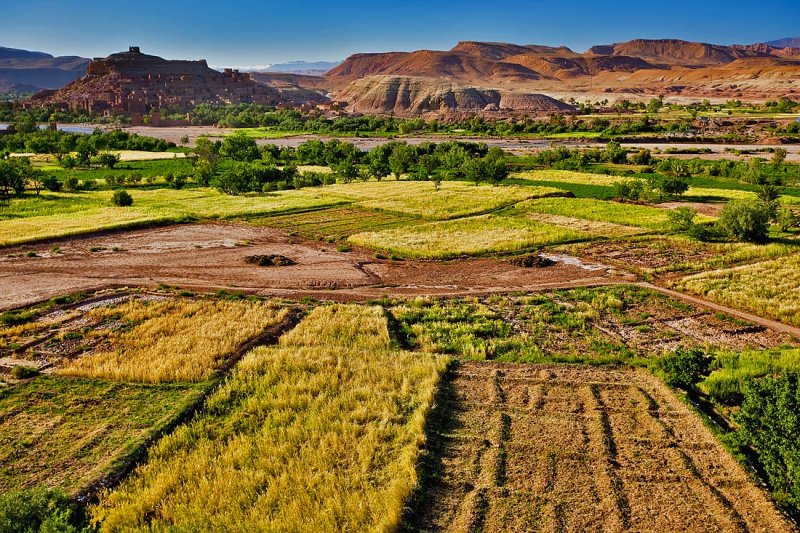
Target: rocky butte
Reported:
point(133, 82)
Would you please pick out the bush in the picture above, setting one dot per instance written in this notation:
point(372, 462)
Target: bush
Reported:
point(24, 372)
point(629, 190)
point(122, 198)
point(682, 218)
point(685, 368)
point(71, 183)
point(745, 220)
point(51, 183)
point(39, 510)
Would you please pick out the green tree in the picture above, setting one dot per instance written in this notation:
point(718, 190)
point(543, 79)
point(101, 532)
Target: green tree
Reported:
point(685, 368)
point(401, 159)
point(769, 421)
point(108, 159)
point(240, 147)
point(745, 220)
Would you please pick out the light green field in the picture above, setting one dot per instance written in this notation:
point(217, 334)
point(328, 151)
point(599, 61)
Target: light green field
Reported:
point(321, 433)
point(768, 288)
point(468, 236)
point(420, 198)
point(568, 176)
point(638, 216)
point(62, 214)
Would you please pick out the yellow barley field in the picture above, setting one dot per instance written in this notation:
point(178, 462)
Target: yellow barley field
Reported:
point(321, 433)
point(173, 341)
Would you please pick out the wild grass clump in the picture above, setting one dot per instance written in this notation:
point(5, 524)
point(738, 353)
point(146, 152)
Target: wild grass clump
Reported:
point(174, 340)
point(321, 433)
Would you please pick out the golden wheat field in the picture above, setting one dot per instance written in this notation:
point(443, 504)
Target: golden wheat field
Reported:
point(173, 340)
point(321, 433)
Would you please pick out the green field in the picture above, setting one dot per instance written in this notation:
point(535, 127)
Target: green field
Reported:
point(61, 214)
point(467, 236)
point(72, 432)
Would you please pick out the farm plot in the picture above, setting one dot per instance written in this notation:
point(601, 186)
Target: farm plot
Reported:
point(617, 324)
point(62, 214)
point(170, 341)
point(569, 448)
point(72, 433)
point(468, 236)
point(335, 223)
point(419, 198)
point(768, 288)
point(630, 215)
point(321, 433)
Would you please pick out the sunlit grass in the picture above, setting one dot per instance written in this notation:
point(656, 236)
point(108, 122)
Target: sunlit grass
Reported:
point(62, 214)
point(468, 236)
point(420, 198)
point(321, 433)
point(768, 288)
point(174, 340)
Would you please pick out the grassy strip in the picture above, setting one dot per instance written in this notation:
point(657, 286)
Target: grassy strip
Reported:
point(63, 214)
point(421, 199)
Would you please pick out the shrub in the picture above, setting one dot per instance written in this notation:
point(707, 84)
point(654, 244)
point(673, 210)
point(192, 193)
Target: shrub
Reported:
point(685, 368)
point(39, 510)
point(71, 183)
point(629, 190)
point(24, 372)
point(682, 218)
point(51, 183)
point(122, 198)
point(745, 221)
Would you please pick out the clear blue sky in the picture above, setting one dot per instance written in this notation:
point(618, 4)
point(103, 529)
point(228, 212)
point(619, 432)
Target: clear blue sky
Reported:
point(253, 32)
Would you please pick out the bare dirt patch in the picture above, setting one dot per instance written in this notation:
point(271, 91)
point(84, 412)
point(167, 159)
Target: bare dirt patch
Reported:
point(712, 210)
point(212, 256)
point(571, 448)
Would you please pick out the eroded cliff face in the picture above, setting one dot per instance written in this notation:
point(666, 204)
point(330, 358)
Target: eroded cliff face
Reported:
point(132, 82)
point(414, 96)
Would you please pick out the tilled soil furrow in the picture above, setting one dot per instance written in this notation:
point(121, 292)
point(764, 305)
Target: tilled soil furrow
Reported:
point(577, 448)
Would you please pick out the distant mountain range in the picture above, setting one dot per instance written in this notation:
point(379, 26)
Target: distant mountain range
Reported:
point(788, 42)
point(487, 78)
point(26, 71)
point(303, 67)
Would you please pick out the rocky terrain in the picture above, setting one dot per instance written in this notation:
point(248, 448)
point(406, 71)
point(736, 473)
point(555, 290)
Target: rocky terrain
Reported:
point(133, 82)
point(622, 70)
point(406, 96)
point(24, 71)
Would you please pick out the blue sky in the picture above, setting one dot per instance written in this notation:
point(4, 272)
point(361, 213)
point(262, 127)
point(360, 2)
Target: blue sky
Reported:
point(252, 32)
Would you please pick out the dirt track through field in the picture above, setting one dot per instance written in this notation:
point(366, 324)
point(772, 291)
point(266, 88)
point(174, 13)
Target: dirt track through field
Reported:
point(750, 317)
point(571, 448)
